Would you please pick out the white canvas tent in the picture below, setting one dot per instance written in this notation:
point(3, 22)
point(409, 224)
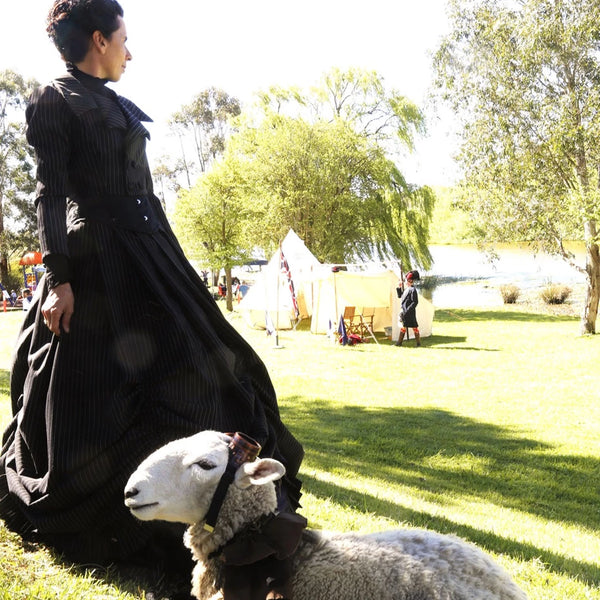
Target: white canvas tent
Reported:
point(271, 293)
point(333, 291)
point(322, 294)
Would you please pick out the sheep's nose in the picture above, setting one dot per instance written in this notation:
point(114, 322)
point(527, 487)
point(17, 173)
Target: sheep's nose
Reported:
point(131, 492)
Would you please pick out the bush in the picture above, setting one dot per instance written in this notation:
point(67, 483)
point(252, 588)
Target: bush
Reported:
point(14, 281)
point(428, 282)
point(510, 293)
point(426, 286)
point(554, 293)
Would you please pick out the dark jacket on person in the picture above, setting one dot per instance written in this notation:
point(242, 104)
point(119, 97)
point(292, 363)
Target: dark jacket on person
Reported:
point(408, 303)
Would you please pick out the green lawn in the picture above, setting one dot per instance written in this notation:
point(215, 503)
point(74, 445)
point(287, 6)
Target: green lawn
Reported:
point(490, 430)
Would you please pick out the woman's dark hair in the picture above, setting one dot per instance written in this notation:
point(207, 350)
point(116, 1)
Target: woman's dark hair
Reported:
point(71, 24)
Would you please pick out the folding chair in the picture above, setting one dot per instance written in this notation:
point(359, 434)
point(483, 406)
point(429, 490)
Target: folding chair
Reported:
point(352, 320)
point(366, 323)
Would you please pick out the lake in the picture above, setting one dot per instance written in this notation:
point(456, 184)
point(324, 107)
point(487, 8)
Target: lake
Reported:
point(479, 279)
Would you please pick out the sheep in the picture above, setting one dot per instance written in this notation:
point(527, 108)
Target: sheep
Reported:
point(177, 482)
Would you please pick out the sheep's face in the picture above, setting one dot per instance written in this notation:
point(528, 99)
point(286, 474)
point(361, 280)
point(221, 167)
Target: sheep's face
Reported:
point(172, 483)
point(177, 482)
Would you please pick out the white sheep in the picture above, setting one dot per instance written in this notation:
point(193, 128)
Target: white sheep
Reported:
point(177, 482)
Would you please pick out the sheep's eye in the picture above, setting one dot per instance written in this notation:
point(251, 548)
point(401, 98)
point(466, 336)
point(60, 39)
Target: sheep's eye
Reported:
point(204, 464)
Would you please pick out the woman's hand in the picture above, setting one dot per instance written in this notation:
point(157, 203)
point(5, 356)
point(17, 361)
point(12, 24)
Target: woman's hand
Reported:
point(58, 308)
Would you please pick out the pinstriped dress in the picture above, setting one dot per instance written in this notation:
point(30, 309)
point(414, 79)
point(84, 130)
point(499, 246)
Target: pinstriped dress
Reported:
point(149, 357)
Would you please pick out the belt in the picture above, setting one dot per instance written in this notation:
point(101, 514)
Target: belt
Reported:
point(127, 212)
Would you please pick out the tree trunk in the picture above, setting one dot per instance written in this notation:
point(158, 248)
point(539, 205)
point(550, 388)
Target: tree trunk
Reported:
point(3, 256)
point(229, 296)
point(4, 269)
point(592, 267)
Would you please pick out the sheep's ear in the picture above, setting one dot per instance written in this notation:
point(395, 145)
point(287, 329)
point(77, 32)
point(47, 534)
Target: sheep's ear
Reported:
point(259, 472)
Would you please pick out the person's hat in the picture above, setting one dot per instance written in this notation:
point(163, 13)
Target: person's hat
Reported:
point(409, 276)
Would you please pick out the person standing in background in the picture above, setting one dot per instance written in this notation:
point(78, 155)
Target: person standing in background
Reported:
point(27, 298)
point(408, 310)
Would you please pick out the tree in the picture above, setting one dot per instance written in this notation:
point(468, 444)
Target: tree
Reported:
point(524, 79)
point(165, 176)
point(322, 163)
point(210, 220)
point(207, 119)
point(17, 183)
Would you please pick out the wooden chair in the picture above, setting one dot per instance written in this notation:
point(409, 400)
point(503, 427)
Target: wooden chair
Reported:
point(366, 322)
point(352, 320)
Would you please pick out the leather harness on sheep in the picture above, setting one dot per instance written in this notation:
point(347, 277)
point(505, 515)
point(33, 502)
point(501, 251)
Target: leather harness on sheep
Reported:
point(257, 553)
point(242, 448)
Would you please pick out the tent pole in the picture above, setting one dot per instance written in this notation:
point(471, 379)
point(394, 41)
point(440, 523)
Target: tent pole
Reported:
point(277, 306)
point(277, 302)
point(335, 298)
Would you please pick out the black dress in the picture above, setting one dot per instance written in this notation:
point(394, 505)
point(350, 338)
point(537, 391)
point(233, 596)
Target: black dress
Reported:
point(149, 357)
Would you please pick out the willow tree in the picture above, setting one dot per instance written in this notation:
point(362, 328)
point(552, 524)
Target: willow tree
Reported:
point(523, 77)
point(325, 162)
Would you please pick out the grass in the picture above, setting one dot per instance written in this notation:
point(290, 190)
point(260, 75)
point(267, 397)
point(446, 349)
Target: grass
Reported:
point(488, 431)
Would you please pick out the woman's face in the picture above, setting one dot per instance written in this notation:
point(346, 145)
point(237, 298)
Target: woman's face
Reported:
point(115, 57)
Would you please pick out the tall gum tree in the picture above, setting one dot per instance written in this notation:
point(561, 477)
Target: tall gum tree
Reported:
point(17, 182)
point(206, 119)
point(523, 77)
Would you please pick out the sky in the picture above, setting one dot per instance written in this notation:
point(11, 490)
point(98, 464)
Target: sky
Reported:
point(181, 47)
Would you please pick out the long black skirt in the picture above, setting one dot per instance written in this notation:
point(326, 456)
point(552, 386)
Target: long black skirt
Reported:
point(149, 359)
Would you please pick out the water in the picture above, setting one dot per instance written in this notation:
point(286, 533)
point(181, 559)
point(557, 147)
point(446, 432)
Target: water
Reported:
point(480, 279)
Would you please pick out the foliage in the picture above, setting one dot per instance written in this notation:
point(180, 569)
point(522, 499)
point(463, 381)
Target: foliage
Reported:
point(206, 118)
point(321, 162)
point(523, 78)
point(510, 293)
point(210, 216)
point(427, 284)
point(166, 177)
point(17, 213)
point(360, 98)
point(14, 280)
point(554, 293)
point(450, 222)
point(210, 220)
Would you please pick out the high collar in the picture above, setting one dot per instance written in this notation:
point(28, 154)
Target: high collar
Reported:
point(95, 84)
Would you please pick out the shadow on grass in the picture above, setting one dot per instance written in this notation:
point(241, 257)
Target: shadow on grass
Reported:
point(438, 340)
point(461, 314)
point(435, 340)
point(589, 572)
point(447, 340)
point(442, 456)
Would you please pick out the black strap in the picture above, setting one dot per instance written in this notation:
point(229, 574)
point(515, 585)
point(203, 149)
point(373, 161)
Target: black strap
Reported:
point(219, 497)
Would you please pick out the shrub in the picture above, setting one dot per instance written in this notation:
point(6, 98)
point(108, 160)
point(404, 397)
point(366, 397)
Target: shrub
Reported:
point(428, 282)
point(510, 293)
point(554, 293)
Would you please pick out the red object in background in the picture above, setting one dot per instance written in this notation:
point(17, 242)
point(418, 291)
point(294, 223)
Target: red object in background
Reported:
point(31, 258)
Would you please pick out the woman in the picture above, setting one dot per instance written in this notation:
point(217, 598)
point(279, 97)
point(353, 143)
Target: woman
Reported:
point(110, 364)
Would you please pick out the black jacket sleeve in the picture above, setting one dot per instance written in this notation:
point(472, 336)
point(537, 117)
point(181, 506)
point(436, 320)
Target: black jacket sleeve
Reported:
point(48, 131)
